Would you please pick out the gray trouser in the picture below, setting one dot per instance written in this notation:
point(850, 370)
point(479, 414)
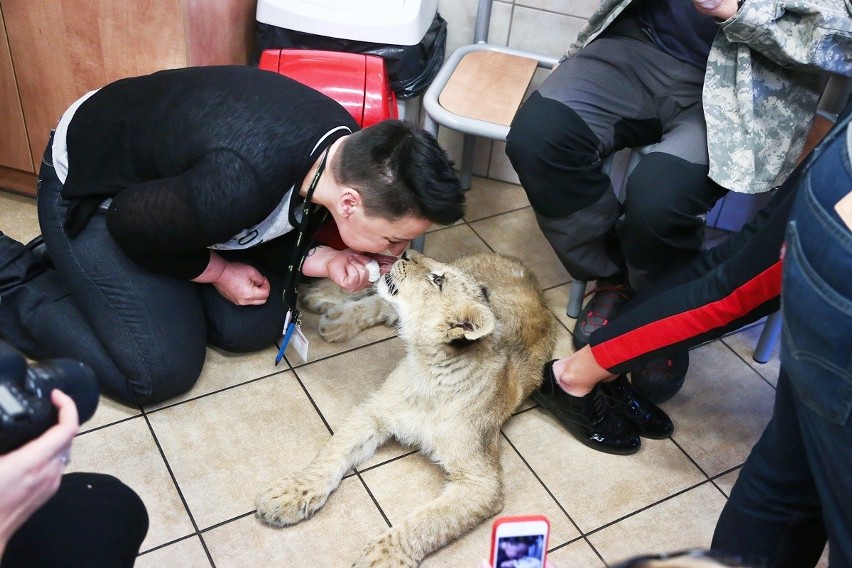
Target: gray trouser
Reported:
point(619, 91)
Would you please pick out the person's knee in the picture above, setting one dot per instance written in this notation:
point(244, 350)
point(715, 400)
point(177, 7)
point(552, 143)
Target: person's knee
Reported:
point(556, 156)
point(664, 214)
point(157, 379)
point(667, 195)
point(247, 334)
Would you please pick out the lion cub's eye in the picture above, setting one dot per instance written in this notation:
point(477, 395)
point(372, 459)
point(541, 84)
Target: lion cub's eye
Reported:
point(437, 280)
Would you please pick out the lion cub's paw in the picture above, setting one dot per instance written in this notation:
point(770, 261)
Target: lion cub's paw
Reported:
point(386, 552)
point(316, 299)
point(338, 324)
point(290, 501)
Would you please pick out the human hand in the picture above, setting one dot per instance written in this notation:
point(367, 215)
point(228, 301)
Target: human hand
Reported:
point(719, 9)
point(30, 475)
point(348, 269)
point(242, 284)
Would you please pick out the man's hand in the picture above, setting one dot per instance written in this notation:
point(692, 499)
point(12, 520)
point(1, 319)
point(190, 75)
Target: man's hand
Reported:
point(719, 9)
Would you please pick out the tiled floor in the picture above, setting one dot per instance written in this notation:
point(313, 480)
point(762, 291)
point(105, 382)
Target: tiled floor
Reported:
point(198, 460)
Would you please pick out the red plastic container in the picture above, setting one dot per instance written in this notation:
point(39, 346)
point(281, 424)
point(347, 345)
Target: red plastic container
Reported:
point(357, 81)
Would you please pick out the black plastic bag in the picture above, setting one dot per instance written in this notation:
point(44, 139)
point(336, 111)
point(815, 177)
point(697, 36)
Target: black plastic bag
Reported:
point(410, 68)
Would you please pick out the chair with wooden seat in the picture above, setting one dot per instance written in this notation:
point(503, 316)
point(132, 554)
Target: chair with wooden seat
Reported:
point(478, 90)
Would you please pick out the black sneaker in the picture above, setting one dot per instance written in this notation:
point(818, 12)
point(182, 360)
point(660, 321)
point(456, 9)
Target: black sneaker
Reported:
point(660, 379)
point(589, 418)
point(645, 416)
point(608, 298)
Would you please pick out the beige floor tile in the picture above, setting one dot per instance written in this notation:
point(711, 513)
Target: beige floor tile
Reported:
point(453, 242)
point(721, 410)
point(490, 197)
point(726, 482)
point(109, 412)
point(338, 384)
point(188, 553)
point(222, 370)
point(743, 343)
point(596, 488)
point(685, 521)
point(18, 217)
point(128, 452)
point(224, 447)
point(578, 554)
point(517, 234)
point(408, 483)
point(333, 537)
point(557, 301)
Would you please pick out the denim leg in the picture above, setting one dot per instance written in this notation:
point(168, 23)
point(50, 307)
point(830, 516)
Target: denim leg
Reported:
point(150, 327)
point(800, 467)
point(817, 337)
point(774, 503)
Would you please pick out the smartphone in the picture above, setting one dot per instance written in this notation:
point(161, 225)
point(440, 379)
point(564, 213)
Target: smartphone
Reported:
point(519, 542)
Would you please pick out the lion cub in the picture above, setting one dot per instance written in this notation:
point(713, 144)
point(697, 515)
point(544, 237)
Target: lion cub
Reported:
point(477, 333)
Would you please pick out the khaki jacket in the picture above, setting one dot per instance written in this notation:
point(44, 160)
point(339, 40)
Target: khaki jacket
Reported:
point(765, 74)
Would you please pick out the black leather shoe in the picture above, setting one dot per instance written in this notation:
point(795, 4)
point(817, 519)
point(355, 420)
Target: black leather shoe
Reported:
point(608, 298)
point(661, 379)
point(645, 416)
point(589, 418)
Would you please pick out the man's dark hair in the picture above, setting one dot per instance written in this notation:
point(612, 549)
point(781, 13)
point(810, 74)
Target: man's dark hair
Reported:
point(399, 170)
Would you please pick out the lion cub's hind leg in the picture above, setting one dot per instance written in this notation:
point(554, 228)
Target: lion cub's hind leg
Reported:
point(318, 295)
point(344, 315)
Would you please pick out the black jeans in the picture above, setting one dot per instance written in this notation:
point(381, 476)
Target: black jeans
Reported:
point(144, 334)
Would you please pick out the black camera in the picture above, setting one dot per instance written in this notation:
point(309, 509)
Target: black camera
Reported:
point(25, 407)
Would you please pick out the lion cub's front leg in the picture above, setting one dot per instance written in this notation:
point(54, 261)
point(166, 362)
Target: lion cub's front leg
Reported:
point(298, 496)
point(345, 315)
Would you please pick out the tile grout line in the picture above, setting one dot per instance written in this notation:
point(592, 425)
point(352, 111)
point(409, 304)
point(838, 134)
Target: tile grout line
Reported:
point(178, 489)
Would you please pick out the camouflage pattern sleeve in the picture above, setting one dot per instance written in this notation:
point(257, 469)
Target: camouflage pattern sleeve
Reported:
point(808, 34)
point(762, 86)
point(763, 81)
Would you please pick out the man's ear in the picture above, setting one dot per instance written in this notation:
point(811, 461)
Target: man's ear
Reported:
point(348, 201)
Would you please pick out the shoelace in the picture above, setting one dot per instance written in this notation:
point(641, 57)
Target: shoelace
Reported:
point(601, 406)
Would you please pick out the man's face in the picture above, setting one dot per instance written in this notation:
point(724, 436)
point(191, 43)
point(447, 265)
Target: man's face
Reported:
point(376, 234)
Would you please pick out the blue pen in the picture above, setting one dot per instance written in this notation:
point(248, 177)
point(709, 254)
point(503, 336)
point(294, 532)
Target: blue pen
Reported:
point(288, 331)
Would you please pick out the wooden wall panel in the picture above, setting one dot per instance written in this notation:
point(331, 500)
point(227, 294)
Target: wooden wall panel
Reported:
point(14, 149)
point(64, 48)
point(222, 32)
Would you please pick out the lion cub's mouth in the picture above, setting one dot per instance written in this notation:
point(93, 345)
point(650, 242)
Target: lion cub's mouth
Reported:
point(389, 283)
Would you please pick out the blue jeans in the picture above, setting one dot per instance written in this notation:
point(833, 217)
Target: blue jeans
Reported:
point(796, 485)
point(144, 334)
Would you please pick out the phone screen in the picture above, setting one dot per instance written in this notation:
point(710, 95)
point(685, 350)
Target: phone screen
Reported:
point(526, 551)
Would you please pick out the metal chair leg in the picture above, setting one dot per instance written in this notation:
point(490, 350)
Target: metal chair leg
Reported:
point(575, 298)
point(768, 338)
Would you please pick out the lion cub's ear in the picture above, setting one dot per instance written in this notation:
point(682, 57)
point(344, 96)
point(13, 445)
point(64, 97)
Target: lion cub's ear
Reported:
point(471, 323)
